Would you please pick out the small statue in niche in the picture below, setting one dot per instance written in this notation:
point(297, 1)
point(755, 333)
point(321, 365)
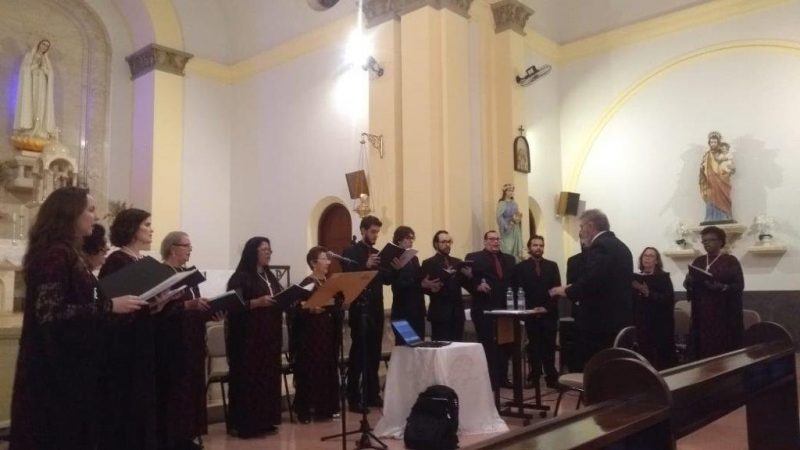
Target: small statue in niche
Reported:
point(34, 120)
point(716, 170)
point(509, 220)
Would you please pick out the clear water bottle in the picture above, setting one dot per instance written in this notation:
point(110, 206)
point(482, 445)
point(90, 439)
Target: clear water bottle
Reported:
point(509, 299)
point(521, 300)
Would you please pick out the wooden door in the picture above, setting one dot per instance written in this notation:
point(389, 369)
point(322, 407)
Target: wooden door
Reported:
point(335, 231)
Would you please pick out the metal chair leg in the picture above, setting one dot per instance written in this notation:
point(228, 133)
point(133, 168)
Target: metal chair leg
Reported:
point(580, 398)
point(224, 404)
point(289, 404)
point(558, 401)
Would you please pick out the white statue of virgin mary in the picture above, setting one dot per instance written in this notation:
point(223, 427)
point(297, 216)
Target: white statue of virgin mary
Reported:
point(35, 116)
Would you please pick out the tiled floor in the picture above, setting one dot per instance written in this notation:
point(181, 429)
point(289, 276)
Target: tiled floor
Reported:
point(728, 433)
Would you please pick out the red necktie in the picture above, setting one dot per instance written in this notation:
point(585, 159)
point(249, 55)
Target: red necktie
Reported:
point(538, 267)
point(497, 266)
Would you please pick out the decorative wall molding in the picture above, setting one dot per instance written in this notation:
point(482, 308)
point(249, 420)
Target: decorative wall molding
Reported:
point(157, 57)
point(510, 15)
point(379, 11)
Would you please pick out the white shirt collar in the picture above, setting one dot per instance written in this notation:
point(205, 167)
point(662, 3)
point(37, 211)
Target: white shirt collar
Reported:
point(596, 236)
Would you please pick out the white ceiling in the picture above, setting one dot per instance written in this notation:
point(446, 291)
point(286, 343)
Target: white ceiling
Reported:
point(233, 30)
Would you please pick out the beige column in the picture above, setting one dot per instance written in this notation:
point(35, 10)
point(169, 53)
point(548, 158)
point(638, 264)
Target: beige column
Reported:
point(157, 74)
point(505, 107)
point(427, 107)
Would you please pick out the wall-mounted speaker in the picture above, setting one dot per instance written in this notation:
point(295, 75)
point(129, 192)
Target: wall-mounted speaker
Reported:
point(568, 204)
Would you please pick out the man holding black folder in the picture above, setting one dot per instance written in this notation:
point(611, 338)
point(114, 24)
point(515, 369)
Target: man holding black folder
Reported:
point(363, 256)
point(446, 309)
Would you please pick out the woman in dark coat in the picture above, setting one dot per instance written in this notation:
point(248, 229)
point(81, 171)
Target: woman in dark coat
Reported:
point(56, 399)
point(653, 305)
point(253, 342)
point(181, 357)
point(129, 412)
point(717, 323)
point(315, 349)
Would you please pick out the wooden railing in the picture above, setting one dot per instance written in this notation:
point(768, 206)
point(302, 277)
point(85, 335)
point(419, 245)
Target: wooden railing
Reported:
point(633, 407)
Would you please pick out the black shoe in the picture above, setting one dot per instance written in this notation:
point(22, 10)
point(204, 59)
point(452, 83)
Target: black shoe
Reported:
point(552, 382)
point(323, 417)
point(272, 429)
point(507, 384)
point(377, 403)
point(303, 418)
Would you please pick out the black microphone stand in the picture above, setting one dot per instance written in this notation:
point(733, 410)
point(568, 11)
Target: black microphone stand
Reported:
point(365, 441)
point(338, 321)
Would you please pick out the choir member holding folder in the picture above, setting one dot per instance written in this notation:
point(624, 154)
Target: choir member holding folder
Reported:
point(130, 410)
point(446, 308)
point(253, 341)
point(714, 286)
point(56, 399)
point(315, 348)
point(181, 356)
point(408, 282)
point(653, 304)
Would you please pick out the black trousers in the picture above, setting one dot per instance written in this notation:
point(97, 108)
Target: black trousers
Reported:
point(448, 330)
point(359, 370)
point(542, 346)
point(592, 342)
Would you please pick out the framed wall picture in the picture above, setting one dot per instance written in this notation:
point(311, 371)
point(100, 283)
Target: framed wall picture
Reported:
point(522, 155)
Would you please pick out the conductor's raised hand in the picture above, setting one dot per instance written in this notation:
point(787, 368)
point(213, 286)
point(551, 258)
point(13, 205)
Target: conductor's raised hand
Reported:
point(127, 304)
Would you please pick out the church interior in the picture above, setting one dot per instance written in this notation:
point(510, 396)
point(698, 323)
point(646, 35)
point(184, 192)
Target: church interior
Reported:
point(293, 119)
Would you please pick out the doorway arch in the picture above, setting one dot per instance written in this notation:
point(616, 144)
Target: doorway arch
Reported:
point(334, 231)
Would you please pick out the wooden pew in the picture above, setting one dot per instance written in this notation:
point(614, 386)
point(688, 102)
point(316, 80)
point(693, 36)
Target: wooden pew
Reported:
point(633, 407)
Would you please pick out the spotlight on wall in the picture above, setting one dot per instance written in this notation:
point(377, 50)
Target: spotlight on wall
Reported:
point(532, 74)
point(373, 67)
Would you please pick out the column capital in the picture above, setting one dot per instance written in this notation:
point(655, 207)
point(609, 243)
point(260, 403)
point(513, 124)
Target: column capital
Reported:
point(510, 15)
point(379, 11)
point(157, 57)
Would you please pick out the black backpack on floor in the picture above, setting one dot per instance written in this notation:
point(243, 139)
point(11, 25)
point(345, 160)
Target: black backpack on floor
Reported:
point(433, 422)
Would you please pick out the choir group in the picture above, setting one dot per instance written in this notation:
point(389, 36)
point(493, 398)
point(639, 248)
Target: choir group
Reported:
point(120, 373)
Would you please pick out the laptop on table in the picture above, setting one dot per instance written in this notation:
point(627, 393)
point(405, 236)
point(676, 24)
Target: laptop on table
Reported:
point(411, 338)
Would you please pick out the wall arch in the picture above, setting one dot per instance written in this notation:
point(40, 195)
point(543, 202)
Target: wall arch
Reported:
point(628, 94)
point(316, 214)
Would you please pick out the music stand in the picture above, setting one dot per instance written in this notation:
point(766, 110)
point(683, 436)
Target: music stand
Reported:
point(350, 285)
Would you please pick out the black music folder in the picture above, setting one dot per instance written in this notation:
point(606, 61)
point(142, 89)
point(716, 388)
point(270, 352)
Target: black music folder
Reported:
point(293, 295)
point(391, 251)
point(145, 278)
point(230, 301)
point(700, 274)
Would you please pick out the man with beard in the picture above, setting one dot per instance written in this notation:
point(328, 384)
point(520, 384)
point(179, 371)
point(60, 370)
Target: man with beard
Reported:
point(446, 310)
point(491, 275)
point(605, 286)
point(365, 257)
point(536, 276)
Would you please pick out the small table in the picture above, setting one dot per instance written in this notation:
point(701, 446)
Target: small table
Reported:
point(461, 366)
point(517, 317)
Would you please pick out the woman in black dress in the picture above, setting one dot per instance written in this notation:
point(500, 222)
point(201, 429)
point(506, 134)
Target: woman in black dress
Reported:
point(315, 349)
point(717, 322)
point(181, 357)
point(130, 387)
point(56, 400)
point(253, 342)
point(653, 304)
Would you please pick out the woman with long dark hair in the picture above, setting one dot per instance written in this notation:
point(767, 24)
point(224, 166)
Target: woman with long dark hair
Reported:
point(56, 395)
point(653, 302)
point(253, 342)
point(130, 411)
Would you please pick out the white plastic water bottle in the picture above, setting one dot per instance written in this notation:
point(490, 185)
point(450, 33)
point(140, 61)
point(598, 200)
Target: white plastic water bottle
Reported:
point(509, 299)
point(521, 300)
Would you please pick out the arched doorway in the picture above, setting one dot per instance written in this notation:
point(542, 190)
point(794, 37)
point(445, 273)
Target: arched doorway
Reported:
point(335, 231)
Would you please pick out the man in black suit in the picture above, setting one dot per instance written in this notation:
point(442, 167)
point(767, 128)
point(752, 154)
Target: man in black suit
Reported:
point(446, 310)
point(605, 286)
point(491, 274)
point(536, 276)
point(365, 257)
point(568, 335)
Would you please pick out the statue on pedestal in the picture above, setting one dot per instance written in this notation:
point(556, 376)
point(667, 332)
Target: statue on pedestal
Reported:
point(509, 220)
point(34, 119)
point(716, 170)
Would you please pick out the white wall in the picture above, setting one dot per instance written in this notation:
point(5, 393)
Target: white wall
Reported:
point(642, 168)
point(542, 123)
point(206, 181)
point(295, 134)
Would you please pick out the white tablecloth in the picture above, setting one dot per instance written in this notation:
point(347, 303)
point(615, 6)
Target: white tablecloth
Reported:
point(460, 365)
